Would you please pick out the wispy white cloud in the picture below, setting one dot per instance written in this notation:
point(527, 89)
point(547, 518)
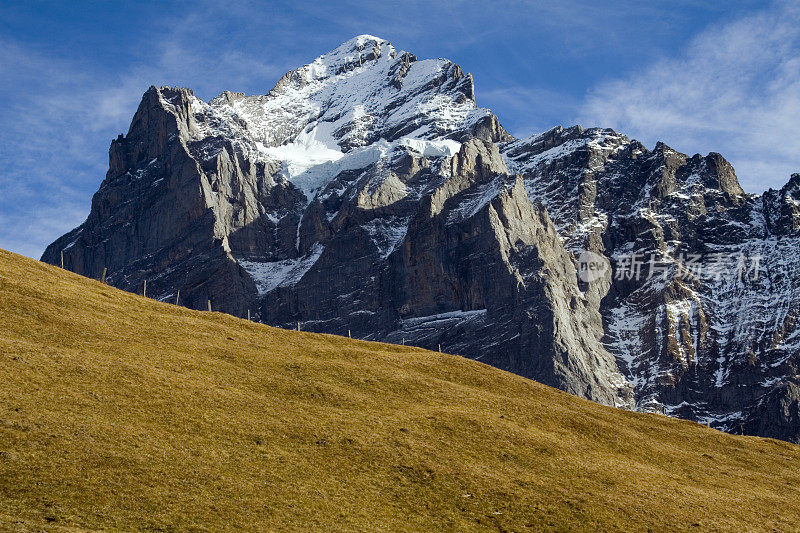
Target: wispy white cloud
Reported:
point(734, 90)
point(40, 224)
point(60, 115)
point(53, 138)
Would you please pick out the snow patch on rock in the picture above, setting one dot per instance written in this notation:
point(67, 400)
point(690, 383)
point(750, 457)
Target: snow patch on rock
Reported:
point(268, 276)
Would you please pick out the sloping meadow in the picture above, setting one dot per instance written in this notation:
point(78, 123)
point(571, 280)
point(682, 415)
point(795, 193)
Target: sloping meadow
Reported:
point(121, 413)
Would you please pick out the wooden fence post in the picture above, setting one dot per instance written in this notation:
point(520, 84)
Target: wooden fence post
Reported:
point(440, 348)
point(209, 305)
point(62, 258)
point(103, 277)
point(178, 297)
point(248, 314)
point(144, 288)
point(348, 334)
point(298, 325)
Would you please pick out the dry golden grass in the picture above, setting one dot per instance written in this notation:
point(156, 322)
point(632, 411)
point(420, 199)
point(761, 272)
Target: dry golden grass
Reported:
point(122, 413)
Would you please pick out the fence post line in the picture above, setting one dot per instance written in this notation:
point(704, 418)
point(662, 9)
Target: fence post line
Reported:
point(209, 305)
point(62, 258)
point(178, 297)
point(144, 288)
point(248, 314)
point(298, 325)
point(440, 348)
point(103, 277)
point(348, 333)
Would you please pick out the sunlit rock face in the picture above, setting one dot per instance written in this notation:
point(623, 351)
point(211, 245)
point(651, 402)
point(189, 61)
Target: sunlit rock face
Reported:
point(368, 193)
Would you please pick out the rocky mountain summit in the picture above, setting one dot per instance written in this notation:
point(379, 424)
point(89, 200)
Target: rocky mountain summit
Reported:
point(368, 194)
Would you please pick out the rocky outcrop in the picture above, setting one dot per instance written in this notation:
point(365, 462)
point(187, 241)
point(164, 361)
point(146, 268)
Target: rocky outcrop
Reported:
point(368, 193)
point(776, 415)
point(705, 327)
point(781, 209)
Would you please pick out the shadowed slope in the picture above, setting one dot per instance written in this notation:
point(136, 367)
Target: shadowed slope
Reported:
point(118, 412)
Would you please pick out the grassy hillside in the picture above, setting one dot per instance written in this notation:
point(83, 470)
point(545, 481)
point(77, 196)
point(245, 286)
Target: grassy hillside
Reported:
point(122, 413)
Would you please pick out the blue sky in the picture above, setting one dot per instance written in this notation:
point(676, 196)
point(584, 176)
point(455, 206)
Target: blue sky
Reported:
point(700, 75)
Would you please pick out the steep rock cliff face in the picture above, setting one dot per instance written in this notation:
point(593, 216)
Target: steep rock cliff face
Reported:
point(367, 193)
point(708, 327)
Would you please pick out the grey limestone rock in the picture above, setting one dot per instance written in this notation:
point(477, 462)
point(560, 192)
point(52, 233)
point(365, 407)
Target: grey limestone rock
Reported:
point(367, 192)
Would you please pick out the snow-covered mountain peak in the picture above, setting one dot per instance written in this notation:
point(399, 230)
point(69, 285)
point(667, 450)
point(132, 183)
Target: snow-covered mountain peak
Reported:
point(367, 192)
point(367, 91)
point(360, 51)
point(362, 94)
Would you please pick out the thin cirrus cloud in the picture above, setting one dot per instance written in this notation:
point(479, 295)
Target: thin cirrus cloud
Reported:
point(54, 134)
point(734, 90)
point(44, 163)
